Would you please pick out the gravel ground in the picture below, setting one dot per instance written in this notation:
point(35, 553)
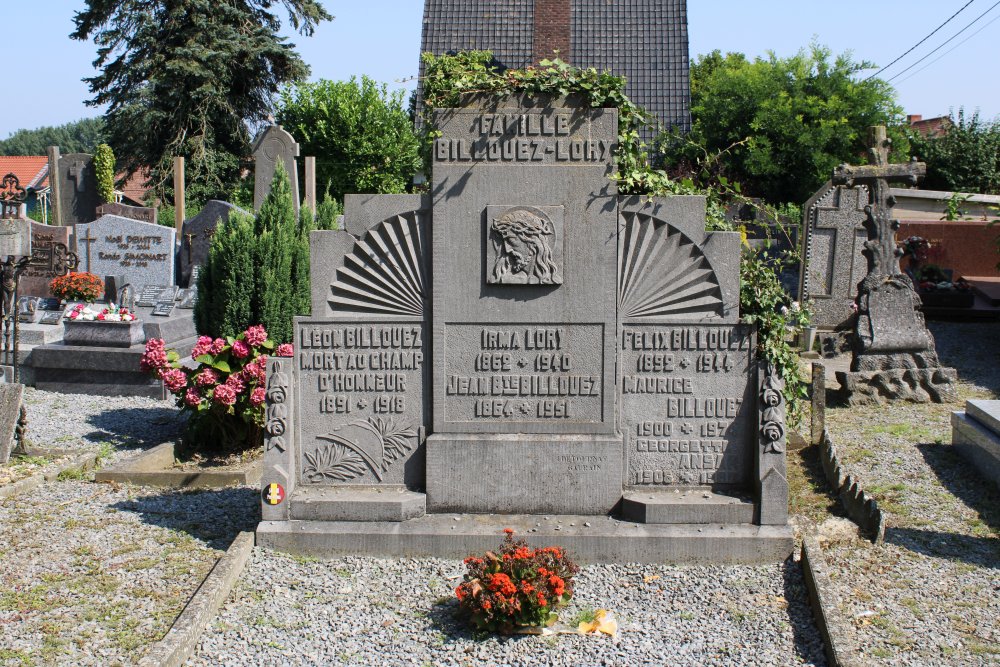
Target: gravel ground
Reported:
point(930, 595)
point(92, 574)
point(369, 611)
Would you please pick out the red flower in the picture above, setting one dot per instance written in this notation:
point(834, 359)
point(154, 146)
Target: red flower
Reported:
point(509, 531)
point(256, 335)
point(257, 396)
point(240, 349)
point(285, 350)
point(460, 593)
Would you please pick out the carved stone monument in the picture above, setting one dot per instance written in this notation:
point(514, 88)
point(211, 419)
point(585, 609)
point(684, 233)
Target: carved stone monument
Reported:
point(833, 262)
point(894, 356)
point(196, 236)
point(274, 145)
point(51, 244)
point(562, 352)
point(78, 199)
point(140, 251)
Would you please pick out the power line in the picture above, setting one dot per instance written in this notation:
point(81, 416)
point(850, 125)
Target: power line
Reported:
point(974, 21)
point(922, 41)
point(994, 20)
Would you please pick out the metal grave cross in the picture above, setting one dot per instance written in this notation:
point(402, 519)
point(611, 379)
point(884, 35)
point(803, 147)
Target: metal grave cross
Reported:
point(883, 252)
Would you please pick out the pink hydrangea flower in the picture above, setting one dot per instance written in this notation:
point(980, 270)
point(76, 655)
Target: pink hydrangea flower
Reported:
point(224, 395)
point(218, 345)
point(285, 350)
point(206, 378)
point(256, 335)
point(236, 382)
point(192, 398)
point(155, 356)
point(240, 349)
point(203, 346)
point(174, 379)
point(257, 396)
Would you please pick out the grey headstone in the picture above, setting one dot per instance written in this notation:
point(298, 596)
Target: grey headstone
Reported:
point(273, 145)
point(833, 263)
point(142, 252)
point(36, 279)
point(15, 237)
point(77, 189)
point(141, 213)
point(196, 236)
point(10, 411)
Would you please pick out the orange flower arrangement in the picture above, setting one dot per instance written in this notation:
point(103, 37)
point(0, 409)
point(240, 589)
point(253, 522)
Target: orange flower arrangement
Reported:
point(516, 587)
point(80, 286)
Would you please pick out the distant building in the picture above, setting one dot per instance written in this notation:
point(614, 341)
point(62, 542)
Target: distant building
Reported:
point(645, 41)
point(32, 172)
point(930, 127)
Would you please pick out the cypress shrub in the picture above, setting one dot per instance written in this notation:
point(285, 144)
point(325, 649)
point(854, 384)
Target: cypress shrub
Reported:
point(327, 212)
point(224, 300)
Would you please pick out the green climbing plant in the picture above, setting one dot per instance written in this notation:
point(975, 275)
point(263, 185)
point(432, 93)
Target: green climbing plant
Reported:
point(104, 169)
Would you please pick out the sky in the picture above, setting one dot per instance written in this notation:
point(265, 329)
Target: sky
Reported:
point(381, 38)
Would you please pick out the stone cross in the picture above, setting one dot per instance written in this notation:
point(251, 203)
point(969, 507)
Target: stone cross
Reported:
point(76, 171)
point(88, 239)
point(883, 253)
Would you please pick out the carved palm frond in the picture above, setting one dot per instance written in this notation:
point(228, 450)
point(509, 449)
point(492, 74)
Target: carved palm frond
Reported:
point(394, 442)
point(336, 461)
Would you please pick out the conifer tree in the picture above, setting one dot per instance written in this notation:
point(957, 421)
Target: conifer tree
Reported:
point(223, 307)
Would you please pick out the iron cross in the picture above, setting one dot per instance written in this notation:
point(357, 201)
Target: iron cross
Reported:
point(884, 253)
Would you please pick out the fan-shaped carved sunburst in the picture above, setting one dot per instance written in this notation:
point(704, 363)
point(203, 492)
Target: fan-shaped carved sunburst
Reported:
point(661, 272)
point(384, 273)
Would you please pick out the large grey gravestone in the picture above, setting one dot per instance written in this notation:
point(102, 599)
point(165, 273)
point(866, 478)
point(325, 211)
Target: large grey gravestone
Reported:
point(142, 252)
point(521, 341)
point(274, 145)
point(36, 278)
point(197, 233)
point(833, 262)
point(78, 198)
point(141, 213)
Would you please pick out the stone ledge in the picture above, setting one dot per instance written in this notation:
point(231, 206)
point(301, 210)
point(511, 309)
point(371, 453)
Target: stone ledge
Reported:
point(153, 468)
point(180, 641)
point(356, 504)
point(822, 599)
point(916, 385)
point(605, 540)
point(694, 506)
point(986, 413)
point(22, 486)
point(977, 444)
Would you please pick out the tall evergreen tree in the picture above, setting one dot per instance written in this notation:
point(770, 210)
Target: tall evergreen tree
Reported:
point(184, 77)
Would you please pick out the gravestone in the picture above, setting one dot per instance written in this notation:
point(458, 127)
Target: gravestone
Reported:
point(163, 308)
point(196, 236)
point(894, 357)
point(78, 199)
point(562, 351)
point(54, 242)
point(833, 262)
point(140, 251)
point(15, 237)
point(141, 213)
point(274, 145)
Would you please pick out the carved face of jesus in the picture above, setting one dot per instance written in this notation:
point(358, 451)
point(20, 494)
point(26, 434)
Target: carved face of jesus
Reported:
point(525, 256)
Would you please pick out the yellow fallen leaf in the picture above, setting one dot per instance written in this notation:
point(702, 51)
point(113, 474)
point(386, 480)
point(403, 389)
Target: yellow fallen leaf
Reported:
point(604, 622)
point(648, 578)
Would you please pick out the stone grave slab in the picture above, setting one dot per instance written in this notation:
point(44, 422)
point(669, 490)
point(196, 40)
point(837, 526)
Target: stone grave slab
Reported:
point(187, 298)
point(976, 436)
point(833, 263)
point(36, 279)
point(163, 309)
point(142, 252)
point(51, 317)
point(141, 213)
point(11, 395)
point(272, 146)
point(150, 295)
point(522, 341)
point(196, 236)
point(78, 199)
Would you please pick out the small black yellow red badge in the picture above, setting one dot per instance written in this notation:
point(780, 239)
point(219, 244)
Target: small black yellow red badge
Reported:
point(274, 493)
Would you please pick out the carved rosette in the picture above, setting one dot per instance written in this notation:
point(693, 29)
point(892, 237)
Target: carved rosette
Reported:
point(276, 416)
point(772, 401)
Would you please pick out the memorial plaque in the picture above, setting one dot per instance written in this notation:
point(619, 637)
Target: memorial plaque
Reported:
point(51, 317)
point(186, 299)
point(163, 308)
point(141, 213)
point(36, 278)
point(142, 252)
point(150, 295)
point(50, 303)
point(27, 309)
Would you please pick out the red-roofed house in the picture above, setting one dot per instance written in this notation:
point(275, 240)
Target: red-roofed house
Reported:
point(32, 173)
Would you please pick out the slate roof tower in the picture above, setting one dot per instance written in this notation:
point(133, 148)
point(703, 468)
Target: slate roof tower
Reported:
point(644, 40)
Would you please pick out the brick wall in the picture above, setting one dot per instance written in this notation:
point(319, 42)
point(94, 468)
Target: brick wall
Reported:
point(552, 30)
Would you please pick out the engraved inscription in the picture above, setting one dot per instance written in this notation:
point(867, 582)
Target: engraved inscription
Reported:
point(133, 251)
point(360, 400)
point(686, 406)
point(524, 373)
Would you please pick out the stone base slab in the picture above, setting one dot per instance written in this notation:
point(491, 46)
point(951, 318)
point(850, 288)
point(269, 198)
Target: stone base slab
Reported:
point(356, 504)
point(524, 473)
point(155, 468)
point(916, 385)
point(978, 444)
point(605, 540)
point(986, 413)
point(693, 506)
